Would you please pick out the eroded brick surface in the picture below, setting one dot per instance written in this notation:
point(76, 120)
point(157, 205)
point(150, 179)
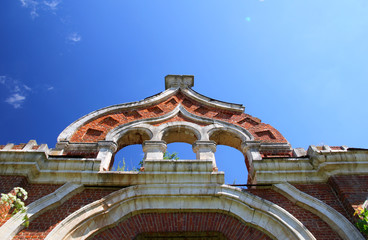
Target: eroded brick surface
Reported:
point(320, 229)
point(229, 226)
point(43, 224)
point(326, 194)
point(351, 189)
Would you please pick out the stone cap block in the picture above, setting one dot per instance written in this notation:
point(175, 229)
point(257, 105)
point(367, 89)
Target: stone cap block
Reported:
point(175, 81)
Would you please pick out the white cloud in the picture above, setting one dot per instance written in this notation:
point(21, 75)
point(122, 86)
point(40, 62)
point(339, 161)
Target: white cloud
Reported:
point(18, 91)
point(52, 4)
point(74, 37)
point(50, 88)
point(16, 100)
point(36, 6)
point(27, 88)
point(32, 5)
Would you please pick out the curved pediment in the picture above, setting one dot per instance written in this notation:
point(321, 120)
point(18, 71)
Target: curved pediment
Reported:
point(177, 103)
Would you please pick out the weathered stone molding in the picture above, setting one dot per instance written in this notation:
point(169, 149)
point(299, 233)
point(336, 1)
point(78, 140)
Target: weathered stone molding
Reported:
point(317, 166)
point(205, 150)
point(53, 200)
point(174, 83)
point(250, 209)
point(333, 218)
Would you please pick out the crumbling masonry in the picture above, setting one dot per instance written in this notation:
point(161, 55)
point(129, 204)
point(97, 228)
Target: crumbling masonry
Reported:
point(294, 194)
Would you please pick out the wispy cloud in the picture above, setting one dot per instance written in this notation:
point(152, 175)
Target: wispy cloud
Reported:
point(32, 5)
point(17, 90)
point(35, 6)
point(50, 88)
point(16, 100)
point(53, 5)
point(74, 37)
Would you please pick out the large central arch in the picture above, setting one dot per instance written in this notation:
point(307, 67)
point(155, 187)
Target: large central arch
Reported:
point(118, 206)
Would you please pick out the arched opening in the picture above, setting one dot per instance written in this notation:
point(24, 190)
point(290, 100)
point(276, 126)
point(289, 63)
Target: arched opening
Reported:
point(129, 155)
point(183, 150)
point(179, 133)
point(179, 139)
point(229, 157)
point(128, 158)
point(231, 161)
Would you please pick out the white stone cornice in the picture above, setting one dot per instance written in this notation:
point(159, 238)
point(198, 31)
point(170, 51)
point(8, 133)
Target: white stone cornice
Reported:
point(213, 102)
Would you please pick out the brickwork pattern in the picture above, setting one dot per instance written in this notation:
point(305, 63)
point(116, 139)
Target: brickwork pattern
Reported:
point(229, 226)
point(351, 189)
point(320, 229)
point(43, 224)
point(97, 129)
point(35, 191)
point(326, 194)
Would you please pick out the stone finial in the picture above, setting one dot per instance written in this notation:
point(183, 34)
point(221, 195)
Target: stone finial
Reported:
point(175, 81)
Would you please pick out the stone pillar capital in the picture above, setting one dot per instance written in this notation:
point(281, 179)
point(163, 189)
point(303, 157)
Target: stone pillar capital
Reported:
point(156, 145)
point(202, 145)
point(107, 145)
point(251, 145)
point(154, 150)
point(205, 150)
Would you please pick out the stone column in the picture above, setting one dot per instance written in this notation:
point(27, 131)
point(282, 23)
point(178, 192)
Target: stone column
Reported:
point(105, 153)
point(154, 150)
point(205, 150)
point(251, 149)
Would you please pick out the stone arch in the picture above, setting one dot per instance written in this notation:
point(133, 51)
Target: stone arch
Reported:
point(227, 136)
point(234, 138)
point(129, 136)
point(252, 210)
point(179, 132)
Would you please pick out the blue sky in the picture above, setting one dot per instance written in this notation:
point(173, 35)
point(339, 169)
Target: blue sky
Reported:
point(301, 66)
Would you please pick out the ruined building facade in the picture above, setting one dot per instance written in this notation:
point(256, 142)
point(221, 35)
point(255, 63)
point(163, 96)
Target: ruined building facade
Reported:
point(73, 194)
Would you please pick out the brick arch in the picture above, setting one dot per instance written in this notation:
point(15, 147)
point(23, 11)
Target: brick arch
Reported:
point(164, 224)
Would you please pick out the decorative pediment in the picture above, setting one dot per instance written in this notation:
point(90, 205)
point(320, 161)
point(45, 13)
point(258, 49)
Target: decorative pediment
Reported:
point(178, 103)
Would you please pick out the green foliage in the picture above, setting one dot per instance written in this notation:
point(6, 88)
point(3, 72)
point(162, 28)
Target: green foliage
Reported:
point(168, 155)
point(15, 199)
point(123, 168)
point(362, 222)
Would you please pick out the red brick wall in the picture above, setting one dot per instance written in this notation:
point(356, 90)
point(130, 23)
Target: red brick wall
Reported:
point(43, 224)
point(35, 191)
point(315, 225)
point(326, 194)
point(229, 226)
point(351, 189)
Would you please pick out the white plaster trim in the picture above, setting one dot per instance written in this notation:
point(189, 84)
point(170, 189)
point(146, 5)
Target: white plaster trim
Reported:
point(212, 102)
point(201, 132)
point(15, 224)
point(251, 209)
point(333, 218)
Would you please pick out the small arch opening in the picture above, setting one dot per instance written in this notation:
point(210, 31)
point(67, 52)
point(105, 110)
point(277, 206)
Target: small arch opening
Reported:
point(130, 154)
point(179, 133)
point(229, 157)
point(183, 150)
point(231, 161)
point(128, 158)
